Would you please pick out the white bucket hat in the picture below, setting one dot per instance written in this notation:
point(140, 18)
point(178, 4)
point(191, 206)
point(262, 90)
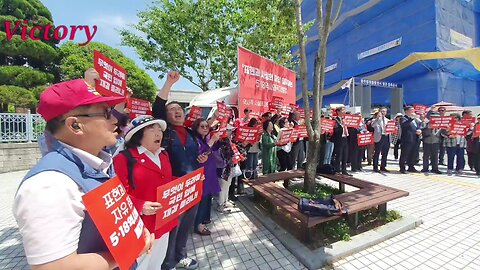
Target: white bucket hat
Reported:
point(142, 121)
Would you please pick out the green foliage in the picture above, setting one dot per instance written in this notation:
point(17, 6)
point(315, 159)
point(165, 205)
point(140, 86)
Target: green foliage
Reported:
point(76, 59)
point(202, 36)
point(337, 229)
point(23, 76)
point(321, 191)
point(392, 215)
point(17, 95)
point(34, 50)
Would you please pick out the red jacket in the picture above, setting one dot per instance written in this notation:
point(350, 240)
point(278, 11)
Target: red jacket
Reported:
point(147, 177)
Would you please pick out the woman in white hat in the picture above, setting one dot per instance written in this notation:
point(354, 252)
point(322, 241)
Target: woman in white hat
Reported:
point(142, 167)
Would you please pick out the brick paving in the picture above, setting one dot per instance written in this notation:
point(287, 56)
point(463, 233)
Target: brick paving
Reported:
point(449, 238)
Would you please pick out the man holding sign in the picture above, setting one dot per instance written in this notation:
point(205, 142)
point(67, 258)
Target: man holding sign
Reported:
point(57, 232)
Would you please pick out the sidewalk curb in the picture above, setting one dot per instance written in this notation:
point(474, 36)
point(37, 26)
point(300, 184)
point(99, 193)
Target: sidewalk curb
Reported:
point(315, 259)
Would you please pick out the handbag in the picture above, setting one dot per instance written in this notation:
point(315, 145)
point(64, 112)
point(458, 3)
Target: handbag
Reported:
point(321, 207)
point(235, 171)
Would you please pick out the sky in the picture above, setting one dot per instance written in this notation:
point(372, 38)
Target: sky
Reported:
point(108, 16)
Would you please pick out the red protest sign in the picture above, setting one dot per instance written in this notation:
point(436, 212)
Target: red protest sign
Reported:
point(476, 131)
point(222, 130)
point(391, 127)
point(294, 136)
point(247, 134)
point(420, 108)
point(117, 220)
point(468, 120)
point(458, 129)
point(223, 112)
point(286, 111)
point(365, 139)
point(138, 107)
point(327, 125)
point(237, 157)
point(440, 121)
point(194, 114)
point(285, 135)
point(301, 111)
point(352, 120)
point(178, 196)
point(113, 78)
point(302, 131)
point(276, 103)
point(259, 79)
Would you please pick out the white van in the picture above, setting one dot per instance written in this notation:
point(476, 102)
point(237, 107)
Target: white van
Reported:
point(208, 100)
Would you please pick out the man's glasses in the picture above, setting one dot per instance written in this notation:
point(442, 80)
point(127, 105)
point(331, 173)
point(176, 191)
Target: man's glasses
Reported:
point(107, 114)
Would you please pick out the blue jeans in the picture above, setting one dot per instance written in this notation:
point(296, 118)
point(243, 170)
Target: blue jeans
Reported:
point(204, 210)
point(328, 152)
point(252, 162)
point(460, 153)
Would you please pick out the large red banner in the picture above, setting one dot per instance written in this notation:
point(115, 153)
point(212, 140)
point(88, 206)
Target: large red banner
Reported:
point(117, 220)
point(352, 120)
point(247, 134)
point(113, 78)
point(138, 107)
point(327, 125)
point(440, 121)
point(260, 79)
point(178, 196)
point(194, 114)
point(365, 139)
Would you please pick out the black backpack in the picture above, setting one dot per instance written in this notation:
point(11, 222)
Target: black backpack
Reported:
point(321, 207)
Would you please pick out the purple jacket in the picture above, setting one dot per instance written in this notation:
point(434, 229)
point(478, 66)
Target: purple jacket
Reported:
point(210, 185)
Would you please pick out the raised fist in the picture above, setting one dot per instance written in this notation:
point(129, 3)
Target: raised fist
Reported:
point(173, 77)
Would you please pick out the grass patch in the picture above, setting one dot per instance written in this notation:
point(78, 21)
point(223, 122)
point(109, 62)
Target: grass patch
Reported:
point(321, 191)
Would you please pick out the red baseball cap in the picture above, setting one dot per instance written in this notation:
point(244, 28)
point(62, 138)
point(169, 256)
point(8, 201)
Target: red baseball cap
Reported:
point(63, 97)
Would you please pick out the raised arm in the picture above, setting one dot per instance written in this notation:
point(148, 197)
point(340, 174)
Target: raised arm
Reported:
point(158, 107)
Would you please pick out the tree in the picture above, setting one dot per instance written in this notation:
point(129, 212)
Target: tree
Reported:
point(201, 36)
point(76, 59)
point(324, 22)
point(25, 64)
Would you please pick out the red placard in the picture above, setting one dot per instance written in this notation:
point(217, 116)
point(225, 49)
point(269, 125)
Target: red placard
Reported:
point(247, 134)
point(223, 112)
point(285, 135)
point(458, 129)
point(420, 108)
point(276, 103)
point(294, 136)
point(117, 220)
point(440, 121)
point(468, 120)
point(352, 120)
point(178, 196)
point(194, 114)
point(327, 125)
point(476, 131)
point(365, 139)
point(391, 127)
point(260, 79)
point(302, 131)
point(237, 157)
point(301, 111)
point(222, 130)
point(113, 78)
point(138, 107)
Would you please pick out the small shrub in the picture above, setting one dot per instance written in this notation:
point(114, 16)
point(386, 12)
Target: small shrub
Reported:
point(392, 215)
point(337, 230)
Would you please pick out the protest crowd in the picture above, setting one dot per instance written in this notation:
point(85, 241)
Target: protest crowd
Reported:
point(90, 138)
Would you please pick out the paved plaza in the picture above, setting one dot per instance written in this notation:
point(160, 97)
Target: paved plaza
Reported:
point(449, 237)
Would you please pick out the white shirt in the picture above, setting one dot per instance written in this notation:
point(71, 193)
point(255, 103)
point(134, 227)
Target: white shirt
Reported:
point(49, 211)
point(155, 157)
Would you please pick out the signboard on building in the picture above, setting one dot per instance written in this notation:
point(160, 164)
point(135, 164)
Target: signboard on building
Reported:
point(381, 48)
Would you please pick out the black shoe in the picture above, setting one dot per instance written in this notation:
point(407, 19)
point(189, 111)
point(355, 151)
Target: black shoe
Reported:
point(369, 163)
point(346, 173)
point(437, 172)
point(353, 170)
point(384, 170)
point(376, 170)
point(441, 163)
point(424, 171)
point(403, 172)
point(233, 198)
point(412, 170)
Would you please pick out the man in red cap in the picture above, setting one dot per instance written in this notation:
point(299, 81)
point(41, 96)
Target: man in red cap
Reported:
point(57, 232)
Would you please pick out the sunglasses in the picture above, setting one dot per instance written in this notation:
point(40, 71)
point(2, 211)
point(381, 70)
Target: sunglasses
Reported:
point(107, 114)
point(441, 110)
point(203, 126)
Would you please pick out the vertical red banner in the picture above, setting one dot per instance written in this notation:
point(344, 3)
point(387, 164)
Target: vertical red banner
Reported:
point(138, 107)
point(223, 112)
point(260, 79)
point(118, 222)
point(178, 196)
point(113, 78)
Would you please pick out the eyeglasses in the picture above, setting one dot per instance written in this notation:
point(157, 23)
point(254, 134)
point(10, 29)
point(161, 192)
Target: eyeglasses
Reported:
point(203, 126)
point(441, 110)
point(107, 114)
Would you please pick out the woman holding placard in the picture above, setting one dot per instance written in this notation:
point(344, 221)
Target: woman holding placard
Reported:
point(455, 144)
point(142, 167)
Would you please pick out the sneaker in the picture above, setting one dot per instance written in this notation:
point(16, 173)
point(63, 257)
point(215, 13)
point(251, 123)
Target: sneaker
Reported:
point(230, 203)
point(187, 263)
point(449, 172)
point(223, 209)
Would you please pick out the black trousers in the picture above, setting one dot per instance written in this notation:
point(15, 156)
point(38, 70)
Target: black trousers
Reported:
point(381, 147)
point(441, 154)
point(285, 160)
point(396, 147)
point(430, 155)
point(407, 155)
point(356, 154)
point(471, 159)
point(340, 151)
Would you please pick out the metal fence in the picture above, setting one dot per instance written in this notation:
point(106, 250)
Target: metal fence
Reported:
point(20, 127)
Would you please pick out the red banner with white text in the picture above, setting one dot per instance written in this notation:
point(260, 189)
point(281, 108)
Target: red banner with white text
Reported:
point(113, 78)
point(137, 107)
